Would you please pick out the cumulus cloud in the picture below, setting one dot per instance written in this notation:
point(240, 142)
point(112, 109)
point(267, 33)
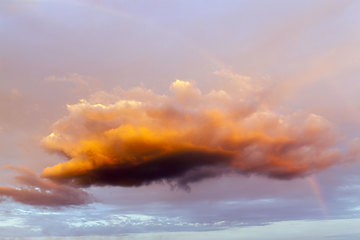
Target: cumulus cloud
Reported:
point(42, 192)
point(187, 136)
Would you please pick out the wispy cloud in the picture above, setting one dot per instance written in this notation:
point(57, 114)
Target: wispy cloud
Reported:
point(72, 78)
point(42, 192)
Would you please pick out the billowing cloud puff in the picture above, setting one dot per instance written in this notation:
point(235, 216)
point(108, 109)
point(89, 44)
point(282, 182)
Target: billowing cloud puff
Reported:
point(41, 192)
point(187, 136)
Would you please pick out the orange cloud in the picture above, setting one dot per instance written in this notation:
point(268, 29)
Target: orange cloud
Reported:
point(186, 137)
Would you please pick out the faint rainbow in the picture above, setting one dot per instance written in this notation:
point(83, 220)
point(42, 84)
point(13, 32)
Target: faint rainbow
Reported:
point(318, 194)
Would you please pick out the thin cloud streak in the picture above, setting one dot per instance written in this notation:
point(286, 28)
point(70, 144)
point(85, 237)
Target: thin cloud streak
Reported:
point(42, 192)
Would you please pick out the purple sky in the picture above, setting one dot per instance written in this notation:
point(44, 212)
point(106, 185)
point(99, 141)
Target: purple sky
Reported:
point(261, 96)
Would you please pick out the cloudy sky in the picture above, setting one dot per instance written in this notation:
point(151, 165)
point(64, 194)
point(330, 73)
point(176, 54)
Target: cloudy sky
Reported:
point(179, 119)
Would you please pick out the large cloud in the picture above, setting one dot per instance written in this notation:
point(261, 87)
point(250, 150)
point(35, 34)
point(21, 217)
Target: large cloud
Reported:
point(187, 136)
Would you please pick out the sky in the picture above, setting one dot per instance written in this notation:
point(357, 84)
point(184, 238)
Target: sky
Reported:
point(179, 119)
